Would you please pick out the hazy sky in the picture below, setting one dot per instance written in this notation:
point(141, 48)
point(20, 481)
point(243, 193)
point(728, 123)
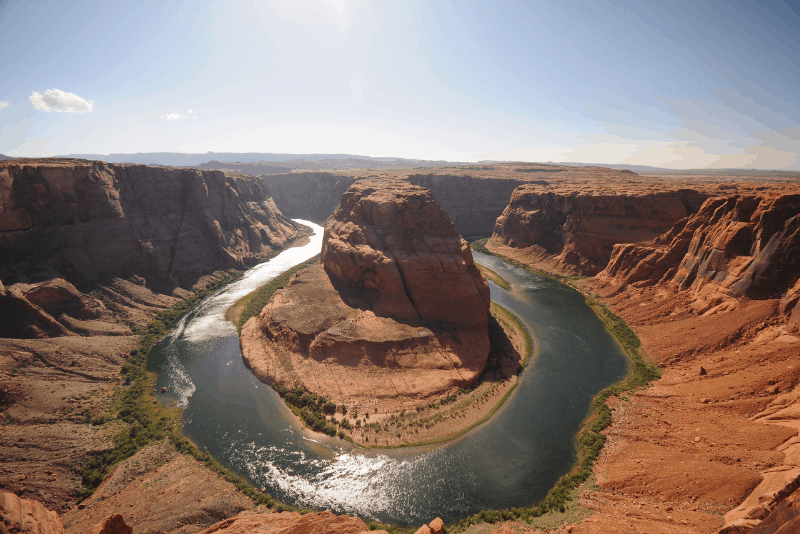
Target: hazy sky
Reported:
point(681, 84)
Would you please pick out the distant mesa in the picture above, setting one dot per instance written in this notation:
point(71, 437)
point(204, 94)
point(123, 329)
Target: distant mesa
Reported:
point(396, 313)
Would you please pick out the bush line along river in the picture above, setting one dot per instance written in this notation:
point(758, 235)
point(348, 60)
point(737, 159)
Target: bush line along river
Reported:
point(511, 461)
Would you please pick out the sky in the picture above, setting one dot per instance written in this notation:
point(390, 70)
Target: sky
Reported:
point(684, 84)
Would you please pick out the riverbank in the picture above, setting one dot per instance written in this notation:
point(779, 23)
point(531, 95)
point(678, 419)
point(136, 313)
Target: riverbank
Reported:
point(561, 502)
point(455, 414)
point(440, 420)
point(687, 449)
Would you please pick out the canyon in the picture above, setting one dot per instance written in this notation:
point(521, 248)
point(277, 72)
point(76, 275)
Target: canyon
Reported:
point(704, 268)
point(90, 254)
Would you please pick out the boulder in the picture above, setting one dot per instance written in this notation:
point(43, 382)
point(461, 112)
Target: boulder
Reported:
point(113, 524)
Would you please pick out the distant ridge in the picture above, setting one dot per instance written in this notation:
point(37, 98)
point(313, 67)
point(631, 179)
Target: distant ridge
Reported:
point(178, 159)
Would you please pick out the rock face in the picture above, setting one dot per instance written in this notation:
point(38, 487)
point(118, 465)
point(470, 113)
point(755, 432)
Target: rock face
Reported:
point(580, 229)
point(473, 204)
point(22, 516)
point(291, 523)
point(394, 243)
point(307, 195)
point(52, 309)
point(738, 246)
point(396, 313)
point(86, 221)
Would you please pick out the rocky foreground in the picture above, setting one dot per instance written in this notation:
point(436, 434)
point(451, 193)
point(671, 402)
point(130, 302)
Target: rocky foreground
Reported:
point(396, 313)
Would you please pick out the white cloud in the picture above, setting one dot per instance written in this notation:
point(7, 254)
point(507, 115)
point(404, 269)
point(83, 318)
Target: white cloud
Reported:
point(4, 104)
point(178, 116)
point(60, 101)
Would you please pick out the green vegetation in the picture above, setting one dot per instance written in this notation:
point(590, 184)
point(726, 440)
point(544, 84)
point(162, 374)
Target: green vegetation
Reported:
point(480, 246)
point(560, 499)
point(494, 277)
point(254, 302)
point(312, 409)
point(133, 406)
point(512, 321)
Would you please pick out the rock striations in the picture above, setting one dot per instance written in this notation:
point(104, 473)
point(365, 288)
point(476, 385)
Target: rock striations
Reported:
point(581, 228)
point(396, 313)
point(737, 246)
point(86, 221)
point(65, 222)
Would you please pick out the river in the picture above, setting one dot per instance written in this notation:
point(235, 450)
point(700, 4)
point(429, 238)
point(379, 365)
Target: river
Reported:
point(511, 460)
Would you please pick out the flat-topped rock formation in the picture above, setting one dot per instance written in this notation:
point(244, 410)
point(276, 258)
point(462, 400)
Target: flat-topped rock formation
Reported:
point(395, 313)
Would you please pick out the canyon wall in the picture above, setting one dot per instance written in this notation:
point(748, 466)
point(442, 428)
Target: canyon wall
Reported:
point(580, 228)
point(736, 246)
point(86, 221)
point(307, 195)
point(472, 203)
point(396, 313)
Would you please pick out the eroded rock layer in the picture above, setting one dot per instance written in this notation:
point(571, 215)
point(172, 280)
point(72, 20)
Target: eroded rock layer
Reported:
point(86, 221)
point(307, 195)
point(737, 246)
point(472, 203)
point(396, 312)
point(581, 228)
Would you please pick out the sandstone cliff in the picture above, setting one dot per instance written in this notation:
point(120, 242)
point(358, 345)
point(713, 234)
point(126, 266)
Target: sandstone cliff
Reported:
point(307, 195)
point(472, 203)
point(737, 246)
point(396, 313)
point(86, 221)
point(23, 516)
point(580, 228)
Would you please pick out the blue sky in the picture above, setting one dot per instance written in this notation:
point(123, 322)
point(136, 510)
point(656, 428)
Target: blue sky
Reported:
point(672, 84)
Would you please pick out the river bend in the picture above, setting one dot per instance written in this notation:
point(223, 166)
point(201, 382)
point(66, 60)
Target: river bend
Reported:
point(511, 460)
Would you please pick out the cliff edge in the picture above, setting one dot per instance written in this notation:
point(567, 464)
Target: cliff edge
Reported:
point(734, 247)
point(87, 221)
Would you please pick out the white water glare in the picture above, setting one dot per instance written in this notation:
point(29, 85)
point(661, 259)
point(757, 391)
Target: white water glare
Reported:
point(207, 322)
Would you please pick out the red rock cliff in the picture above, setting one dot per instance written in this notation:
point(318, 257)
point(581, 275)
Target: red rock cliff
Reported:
point(394, 241)
point(89, 220)
point(737, 246)
point(580, 228)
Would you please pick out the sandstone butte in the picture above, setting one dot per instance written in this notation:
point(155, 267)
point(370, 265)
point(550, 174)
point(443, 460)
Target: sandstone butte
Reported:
point(396, 313)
